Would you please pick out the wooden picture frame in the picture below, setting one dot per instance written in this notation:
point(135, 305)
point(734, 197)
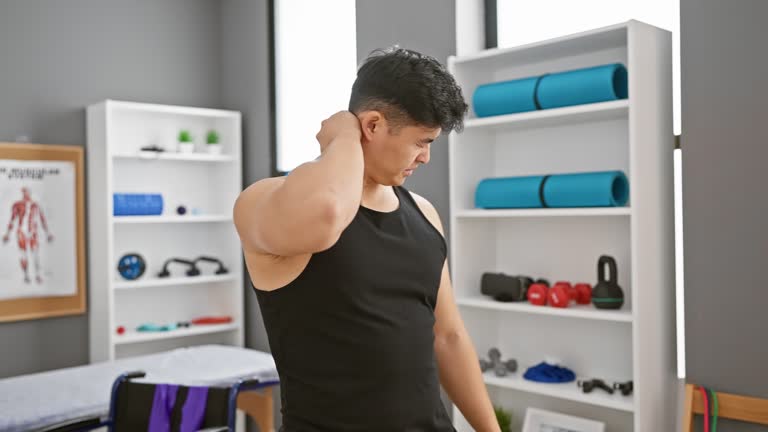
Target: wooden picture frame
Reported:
point(39, 267)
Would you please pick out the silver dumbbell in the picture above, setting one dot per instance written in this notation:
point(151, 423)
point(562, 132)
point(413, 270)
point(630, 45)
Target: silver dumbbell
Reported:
point(500, 368)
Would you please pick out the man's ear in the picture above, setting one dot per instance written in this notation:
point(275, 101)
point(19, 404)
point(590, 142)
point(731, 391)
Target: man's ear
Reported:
point(371, 123)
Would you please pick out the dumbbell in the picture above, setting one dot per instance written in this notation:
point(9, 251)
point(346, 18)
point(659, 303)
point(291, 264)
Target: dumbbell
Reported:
point(588, 386)
point(563, 292)
point(537, 292)
point(560, 295)
point(625, 388)
point(500, 368)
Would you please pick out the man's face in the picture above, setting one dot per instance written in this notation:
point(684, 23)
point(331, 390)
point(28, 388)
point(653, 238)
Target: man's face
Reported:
point(25, 193)
point(392, 155)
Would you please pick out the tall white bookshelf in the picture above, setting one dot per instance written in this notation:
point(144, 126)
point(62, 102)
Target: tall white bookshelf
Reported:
point(633, 135)
point(206, 182)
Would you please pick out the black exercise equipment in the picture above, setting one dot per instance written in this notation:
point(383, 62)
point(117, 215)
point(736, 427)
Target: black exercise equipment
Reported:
point(625, 388)
point(220, 270)
point(191, 271)
point(505, 288)
point(131, 266)
point(152, 148)
point(589, 385)
point(607, 294)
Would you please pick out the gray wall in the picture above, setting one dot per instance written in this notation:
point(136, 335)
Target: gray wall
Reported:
point(725, 149)
point(57, 58)
point(246, 87)
point(427, 26)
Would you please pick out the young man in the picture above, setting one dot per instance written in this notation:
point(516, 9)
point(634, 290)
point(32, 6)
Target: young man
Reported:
point(350, 268)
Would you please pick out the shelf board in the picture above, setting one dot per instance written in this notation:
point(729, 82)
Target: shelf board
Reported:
point(586, 41)
point(573, 311)
point(150, 108)
point(136, 337)
point(543, 212)
point(171, 219)
point(154, 282)
point(170, 156)
point(551, 117)
point(568, 391)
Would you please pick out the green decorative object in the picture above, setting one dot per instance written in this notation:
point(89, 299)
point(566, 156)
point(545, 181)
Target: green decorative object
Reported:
point(504, 418)
point(212, 137)
point(185, 136)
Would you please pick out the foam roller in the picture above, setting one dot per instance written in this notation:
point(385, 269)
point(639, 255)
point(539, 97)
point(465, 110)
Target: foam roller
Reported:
point(583, 86)
point(509, 192)
point(128, 204)
point(506, 97)
point(593, 189)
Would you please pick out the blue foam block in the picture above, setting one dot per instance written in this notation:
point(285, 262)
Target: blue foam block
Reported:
point(137, 204)
point(509, 192)
point(507, 97)
point(592, 189)
point(583, 86)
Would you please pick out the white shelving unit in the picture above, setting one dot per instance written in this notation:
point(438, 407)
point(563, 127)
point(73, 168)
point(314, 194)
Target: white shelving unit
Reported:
point(208, 182)
point(635, 136)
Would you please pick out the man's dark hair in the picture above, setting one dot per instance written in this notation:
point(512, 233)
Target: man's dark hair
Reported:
point(409, 88)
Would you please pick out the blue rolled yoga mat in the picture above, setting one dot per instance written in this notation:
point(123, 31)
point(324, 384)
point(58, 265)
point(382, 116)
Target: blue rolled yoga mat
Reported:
point(507, 97)
point(583, 86)
point(592, 189)
point(509, 192)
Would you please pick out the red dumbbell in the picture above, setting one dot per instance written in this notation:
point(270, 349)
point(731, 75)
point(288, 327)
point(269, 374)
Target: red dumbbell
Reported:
point(583, 293)
point(560, 295)
point(568, 288)
point(537, 294)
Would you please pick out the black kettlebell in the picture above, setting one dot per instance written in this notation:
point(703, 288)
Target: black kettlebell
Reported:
point(607, 294)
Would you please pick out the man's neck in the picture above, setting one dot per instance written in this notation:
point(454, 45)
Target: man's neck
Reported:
point(376, 194)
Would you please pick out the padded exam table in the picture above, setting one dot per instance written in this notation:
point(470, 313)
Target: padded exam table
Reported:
point(34, 401)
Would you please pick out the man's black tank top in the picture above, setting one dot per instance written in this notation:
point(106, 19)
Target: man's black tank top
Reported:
point(352, 335)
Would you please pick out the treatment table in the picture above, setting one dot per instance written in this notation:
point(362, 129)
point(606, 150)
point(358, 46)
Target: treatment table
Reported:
point(34, 401)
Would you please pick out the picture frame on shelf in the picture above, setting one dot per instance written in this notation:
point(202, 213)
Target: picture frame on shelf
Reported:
point(42, 244)
point(538, 420)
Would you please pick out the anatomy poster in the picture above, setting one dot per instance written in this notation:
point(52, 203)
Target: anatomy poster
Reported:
point(38, 244)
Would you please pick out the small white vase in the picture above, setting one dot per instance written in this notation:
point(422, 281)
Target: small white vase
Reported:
point(214, 149)
point(186, 147)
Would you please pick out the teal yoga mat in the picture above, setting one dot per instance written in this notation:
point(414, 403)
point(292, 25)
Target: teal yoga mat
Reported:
point(506, 97)
point(591, 189)
point(583, 86)
point(509, 192)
